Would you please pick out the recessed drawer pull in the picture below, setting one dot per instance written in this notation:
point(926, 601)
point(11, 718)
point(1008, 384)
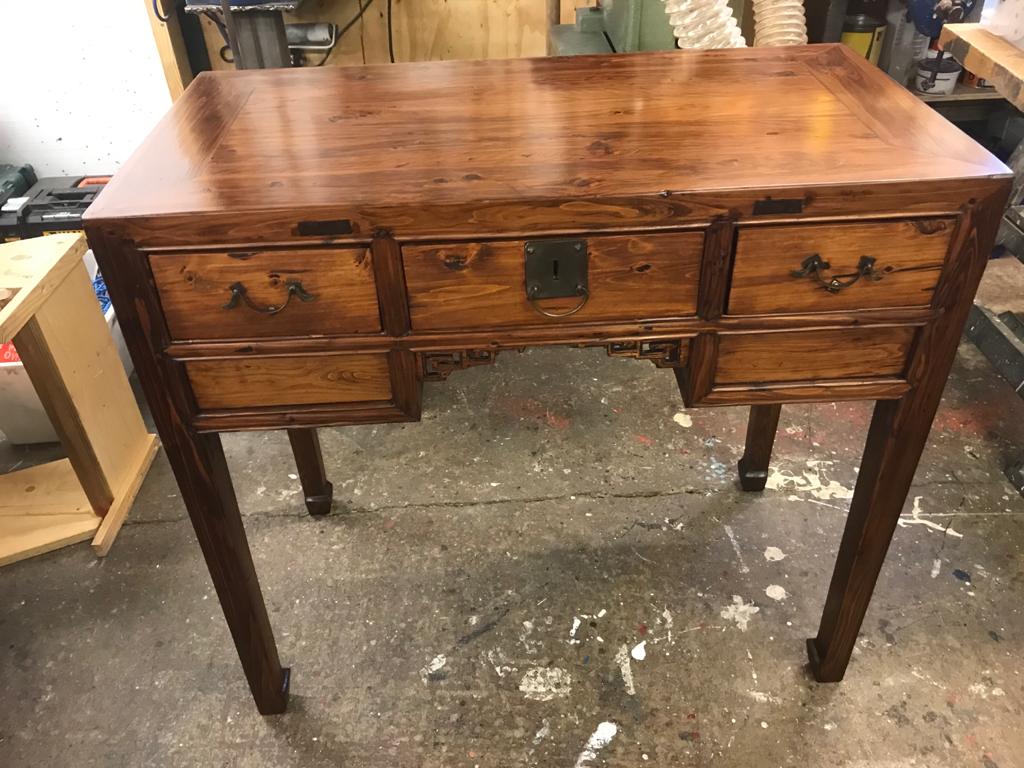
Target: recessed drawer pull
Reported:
point(238, 294)
point(814, 265)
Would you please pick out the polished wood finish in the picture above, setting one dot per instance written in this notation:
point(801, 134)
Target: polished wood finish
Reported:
point(195, 289)
point(761, 429)
point(388, 151)
point(473, 285)
point(309, 460)
point(300, 380)
point(897, 435)
point(909, 257)
point(848, 353)
point(197, 461)
point(730, 164)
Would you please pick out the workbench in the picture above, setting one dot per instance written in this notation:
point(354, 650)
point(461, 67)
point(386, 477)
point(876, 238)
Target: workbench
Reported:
point(777, 225)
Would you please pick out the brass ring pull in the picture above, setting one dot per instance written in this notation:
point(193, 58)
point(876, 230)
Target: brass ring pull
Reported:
point(581, 291)
point(238, 294)
point(814, 266)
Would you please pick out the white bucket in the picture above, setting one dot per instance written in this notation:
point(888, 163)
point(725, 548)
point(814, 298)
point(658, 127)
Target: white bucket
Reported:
point(935, 76)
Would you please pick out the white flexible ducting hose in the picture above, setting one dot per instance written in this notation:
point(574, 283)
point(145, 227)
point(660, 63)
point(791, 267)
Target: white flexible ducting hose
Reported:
point(703, 24)
point(711, 24)
point(779, 22)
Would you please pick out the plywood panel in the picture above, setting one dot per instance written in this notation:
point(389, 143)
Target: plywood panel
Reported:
point(424, 30)
point(71, 360)
point(567, 9)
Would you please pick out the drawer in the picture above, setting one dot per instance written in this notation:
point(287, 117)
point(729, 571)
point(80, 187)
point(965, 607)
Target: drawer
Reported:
point(480, 285)
point(293, 380)
point(809, 356)
point(267, 293)
point(908, 259)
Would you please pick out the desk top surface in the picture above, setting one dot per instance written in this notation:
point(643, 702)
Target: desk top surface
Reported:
point(573, 128)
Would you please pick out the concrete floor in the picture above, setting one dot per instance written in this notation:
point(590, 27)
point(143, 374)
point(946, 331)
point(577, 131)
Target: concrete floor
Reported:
point(554, 568)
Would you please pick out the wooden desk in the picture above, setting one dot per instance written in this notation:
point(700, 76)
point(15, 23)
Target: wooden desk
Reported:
point(296, 249)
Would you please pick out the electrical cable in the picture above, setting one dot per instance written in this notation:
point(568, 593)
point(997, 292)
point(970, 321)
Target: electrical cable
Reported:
point(343, 30)
point(156, 12)
point(391, 37)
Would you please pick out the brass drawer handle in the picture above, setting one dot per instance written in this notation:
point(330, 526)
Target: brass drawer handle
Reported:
point(581, 291)
point(814, 266)
point(238, 294)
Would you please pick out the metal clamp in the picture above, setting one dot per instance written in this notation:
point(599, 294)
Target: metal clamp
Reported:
point(814, 266)
point(581, 291)
point(238, 294)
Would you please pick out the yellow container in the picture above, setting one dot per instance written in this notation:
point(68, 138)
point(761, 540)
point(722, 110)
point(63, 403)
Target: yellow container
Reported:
point(864, 35)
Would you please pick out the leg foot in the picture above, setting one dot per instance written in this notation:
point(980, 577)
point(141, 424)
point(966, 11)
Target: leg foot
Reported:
point(309, 460)
point(276, 704)
point(814, 660)
point(761, 428)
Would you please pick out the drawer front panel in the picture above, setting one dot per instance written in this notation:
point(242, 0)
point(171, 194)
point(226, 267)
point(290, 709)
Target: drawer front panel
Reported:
point(821, 355)
point(282, 381)
point(908, 258)
point(336, 293)
point(480, 285)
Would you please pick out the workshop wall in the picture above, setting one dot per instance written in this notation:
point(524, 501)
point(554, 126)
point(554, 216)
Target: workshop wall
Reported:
point(82, 84)
point(424, 30)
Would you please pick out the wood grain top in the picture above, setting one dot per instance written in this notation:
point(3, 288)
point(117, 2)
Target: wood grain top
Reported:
point(566, 129)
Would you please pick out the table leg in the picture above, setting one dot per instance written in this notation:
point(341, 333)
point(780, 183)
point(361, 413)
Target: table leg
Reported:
point(896, 438)
point(205, 483)
point(310, 462)
point(761, 428)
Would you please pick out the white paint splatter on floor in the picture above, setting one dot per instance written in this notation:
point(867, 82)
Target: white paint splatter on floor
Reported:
point(502, 666)
point(683, 420)
point(936, 567)
point(776, 592)
point(764, 698)
point(982, 690)
point(916, 519)
point(774, 554)
point(575, 628)
point(435, 665)
point(736, 548)
point(740, 612)
point(598, 740)
point(545, 683)
point(626, 669)
point(542, 732)
point(813, 480)
point(639, 651)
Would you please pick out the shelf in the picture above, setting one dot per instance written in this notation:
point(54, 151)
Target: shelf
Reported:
point(988, 56)
point(960, 92)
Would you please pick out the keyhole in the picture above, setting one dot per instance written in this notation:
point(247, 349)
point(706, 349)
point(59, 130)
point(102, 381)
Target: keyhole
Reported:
point(554, 269)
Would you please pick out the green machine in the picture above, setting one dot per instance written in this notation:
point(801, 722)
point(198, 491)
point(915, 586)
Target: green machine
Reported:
point(615, 26)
